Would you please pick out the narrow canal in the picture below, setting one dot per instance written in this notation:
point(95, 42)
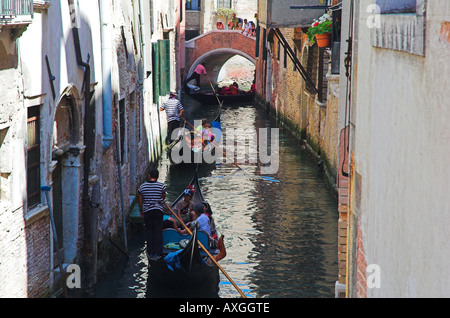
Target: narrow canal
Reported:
point(280, 230)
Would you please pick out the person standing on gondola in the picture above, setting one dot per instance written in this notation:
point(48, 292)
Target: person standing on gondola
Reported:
point(174, 110)
point(151, 195)
point(199, 70)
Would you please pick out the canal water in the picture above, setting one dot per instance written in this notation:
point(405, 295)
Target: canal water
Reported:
point(280, 229)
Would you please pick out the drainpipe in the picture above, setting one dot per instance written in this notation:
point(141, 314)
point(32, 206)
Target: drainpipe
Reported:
point(105, 14)
point(144, 37)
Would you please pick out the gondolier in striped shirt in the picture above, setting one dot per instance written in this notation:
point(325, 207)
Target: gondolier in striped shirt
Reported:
point(174, 110)
point(151, 195)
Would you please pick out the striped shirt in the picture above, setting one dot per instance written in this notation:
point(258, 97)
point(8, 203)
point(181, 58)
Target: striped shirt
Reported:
point(152, 195)
point(172, 107)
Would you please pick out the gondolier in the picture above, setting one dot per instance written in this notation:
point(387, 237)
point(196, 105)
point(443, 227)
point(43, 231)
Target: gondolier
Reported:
point(174, 110)
point(151, 195)
point(199, 70)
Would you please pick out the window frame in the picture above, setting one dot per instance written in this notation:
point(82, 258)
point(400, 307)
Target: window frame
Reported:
point(189, 5)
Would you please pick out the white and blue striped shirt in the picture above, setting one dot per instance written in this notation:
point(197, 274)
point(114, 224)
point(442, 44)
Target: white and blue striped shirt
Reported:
point(172, 107)
point(152, 195)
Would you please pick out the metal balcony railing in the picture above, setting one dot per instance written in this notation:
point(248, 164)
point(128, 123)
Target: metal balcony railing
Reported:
point(14, 9)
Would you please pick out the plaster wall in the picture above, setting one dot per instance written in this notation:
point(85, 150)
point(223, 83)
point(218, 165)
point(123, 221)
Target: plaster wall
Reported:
point(400, 145)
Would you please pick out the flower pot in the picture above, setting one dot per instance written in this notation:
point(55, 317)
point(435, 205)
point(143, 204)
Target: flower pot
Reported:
point(323, 40)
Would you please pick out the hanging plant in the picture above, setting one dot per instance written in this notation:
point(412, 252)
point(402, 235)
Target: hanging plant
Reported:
point(320, 26)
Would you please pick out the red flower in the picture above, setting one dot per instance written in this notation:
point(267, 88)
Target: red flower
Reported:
point(315, 24)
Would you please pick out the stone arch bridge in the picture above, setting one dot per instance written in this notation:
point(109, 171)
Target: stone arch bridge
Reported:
point(214, 48)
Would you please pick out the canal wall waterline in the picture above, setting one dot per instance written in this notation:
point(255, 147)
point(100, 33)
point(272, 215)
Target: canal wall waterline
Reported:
point(300, 135)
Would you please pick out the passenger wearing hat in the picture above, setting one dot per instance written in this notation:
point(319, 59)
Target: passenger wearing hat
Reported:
point(219, 25)
point(174, 110)
point(185, 208)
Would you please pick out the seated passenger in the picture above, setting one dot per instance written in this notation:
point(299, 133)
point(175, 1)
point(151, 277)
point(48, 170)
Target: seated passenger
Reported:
point(252, 88)
point(234, 88)
point(184, 209)
point(201, 219)
point(219, 25)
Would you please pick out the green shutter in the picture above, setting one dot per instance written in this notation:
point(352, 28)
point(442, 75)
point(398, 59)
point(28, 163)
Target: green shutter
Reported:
point(164, 66)
point(167, 64)
point(156, 75)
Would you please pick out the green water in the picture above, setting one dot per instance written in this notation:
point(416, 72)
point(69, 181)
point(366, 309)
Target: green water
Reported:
point(280, 229)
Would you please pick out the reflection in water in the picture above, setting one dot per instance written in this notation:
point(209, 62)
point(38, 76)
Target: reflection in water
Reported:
point(280, 230)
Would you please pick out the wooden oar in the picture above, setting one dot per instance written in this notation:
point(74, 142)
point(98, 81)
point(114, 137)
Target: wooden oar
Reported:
point(214, 144)
point(207, 252)
point(215, 94)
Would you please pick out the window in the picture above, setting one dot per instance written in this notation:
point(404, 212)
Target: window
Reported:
point(193, 5)
point(226, 4)
point(322, 84)
point(294, 67)
point(33, 157)
point(278, 50)
point(122, 127)
point(311, 66)
point(401, 26)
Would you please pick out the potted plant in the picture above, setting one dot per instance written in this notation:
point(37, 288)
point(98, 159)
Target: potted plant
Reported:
point(320, 30)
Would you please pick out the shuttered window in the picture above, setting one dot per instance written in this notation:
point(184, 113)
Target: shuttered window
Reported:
point(164, 64)
point(156, 75)
point(33, 157)
point(161, 67)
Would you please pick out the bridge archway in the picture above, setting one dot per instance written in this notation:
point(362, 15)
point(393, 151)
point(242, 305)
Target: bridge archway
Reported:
point(214, 48)
point(215, 60)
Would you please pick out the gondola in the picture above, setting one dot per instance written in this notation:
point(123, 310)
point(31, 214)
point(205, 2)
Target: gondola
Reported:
point(176, 142)
point(190, 149)
point(211, 98)
point(184, 270)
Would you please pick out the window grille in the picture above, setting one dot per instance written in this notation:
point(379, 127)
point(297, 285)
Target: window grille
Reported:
point(226, 4)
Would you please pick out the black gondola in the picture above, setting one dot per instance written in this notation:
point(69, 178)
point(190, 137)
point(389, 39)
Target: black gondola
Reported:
point(184, 270)
point(209, 98)
point(176, 142)
point(192, 149)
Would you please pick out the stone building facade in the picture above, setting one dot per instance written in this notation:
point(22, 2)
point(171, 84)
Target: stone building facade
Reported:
point(78, 114)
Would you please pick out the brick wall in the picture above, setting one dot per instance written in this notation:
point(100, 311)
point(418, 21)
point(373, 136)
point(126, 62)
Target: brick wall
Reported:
point(295, 107)
point(38, 257)
point(343, 194)
point(361, 265)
